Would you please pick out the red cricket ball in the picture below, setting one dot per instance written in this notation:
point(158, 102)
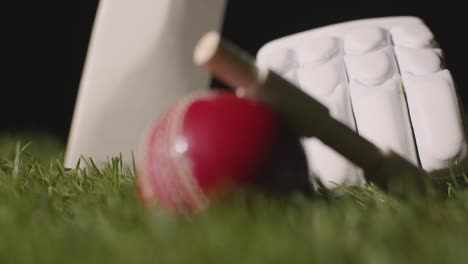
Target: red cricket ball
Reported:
point(213, 142)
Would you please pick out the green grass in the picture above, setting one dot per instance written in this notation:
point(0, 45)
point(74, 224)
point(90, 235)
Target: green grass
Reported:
point(49, 215)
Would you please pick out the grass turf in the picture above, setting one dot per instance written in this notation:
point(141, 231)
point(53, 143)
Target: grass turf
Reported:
point(50, 215)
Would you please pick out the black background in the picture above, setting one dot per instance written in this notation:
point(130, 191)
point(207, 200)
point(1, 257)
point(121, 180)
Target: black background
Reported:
point(46, 44)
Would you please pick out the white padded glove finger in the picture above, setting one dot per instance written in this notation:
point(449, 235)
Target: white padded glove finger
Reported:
point(383, 77)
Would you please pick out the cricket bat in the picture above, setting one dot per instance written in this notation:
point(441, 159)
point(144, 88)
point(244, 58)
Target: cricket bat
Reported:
point(139, 62)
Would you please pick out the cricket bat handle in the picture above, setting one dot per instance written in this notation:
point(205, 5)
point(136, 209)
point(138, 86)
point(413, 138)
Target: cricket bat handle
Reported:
point(235, 67)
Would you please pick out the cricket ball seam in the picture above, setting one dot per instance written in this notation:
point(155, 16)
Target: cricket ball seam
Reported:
point(180, 162)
